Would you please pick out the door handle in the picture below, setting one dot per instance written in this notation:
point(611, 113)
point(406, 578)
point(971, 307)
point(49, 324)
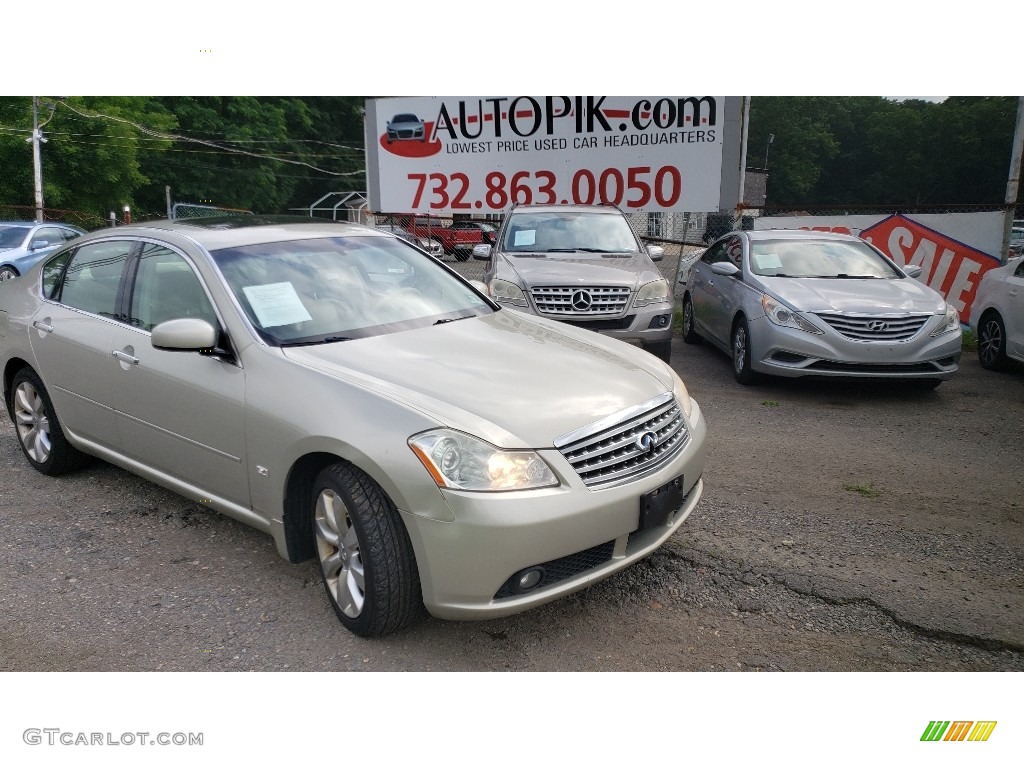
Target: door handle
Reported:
point(39, 325)
point(124, 357)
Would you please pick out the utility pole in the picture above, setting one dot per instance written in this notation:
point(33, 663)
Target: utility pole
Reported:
point(1013, 181)
point(37, 163)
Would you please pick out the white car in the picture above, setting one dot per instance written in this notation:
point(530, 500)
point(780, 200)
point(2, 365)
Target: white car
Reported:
point(997, 316)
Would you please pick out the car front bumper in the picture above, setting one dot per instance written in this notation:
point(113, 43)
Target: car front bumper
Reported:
point(782, 351)
point(582, 535)
point(648, 324)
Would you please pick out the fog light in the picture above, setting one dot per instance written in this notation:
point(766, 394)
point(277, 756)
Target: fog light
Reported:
point(528, 579)
point(659, 321)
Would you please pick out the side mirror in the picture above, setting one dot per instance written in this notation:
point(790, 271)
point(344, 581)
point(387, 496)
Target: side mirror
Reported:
point(656, 252)
point(912, 270)
point(185, 334)
point(725, 268)
point(482, 252)
point(37, 245)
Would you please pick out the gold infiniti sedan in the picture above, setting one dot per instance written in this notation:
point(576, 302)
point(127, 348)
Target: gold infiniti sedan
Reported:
point(339, 389)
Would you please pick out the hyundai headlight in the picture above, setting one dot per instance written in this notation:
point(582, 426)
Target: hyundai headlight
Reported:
point(461, 461)
point(951, 322)
point(504, 292)
point(655, 292)
point(785, 317)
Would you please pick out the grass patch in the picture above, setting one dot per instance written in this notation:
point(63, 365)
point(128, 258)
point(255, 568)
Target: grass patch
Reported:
point(864, 489)
point(770, 403)
point(677, 321)
point(970, 340)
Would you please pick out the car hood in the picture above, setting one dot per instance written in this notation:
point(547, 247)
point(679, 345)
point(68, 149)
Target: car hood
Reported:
point(854, 296)
point(551, 269)
point(512, 379)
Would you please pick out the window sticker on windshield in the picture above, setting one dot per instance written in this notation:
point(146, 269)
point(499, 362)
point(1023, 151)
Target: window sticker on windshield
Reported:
point(276, 304)
point(768, 261)
point(525, 237)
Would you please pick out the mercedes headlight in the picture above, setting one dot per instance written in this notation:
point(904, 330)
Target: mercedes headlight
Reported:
point(951, 322)
point(504, 292)
point(785, 317)
point(460, 461)
point(655, 292)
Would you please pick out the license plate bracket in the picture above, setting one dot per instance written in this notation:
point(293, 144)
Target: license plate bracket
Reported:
point(658, 505)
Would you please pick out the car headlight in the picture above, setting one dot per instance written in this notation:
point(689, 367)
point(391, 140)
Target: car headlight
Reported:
point(682, 395)
point(505, 292)
point(457, 460)
point(784, 316)
point(655, 292)
point(951, 322)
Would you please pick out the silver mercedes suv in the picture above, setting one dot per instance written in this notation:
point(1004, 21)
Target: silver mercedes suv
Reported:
point(582, 265)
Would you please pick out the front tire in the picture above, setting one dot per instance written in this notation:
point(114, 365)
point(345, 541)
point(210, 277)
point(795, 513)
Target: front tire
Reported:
point(8, 272)
point(365, 555)
point(741, 353)
point(690, 335)
point(992, 342)
point(39, 432)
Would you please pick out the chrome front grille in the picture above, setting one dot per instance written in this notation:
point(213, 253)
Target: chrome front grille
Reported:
point(563, 300)
point(876, 327)
point(627, 445)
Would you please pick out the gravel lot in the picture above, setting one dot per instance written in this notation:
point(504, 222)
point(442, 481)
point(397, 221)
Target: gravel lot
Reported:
point(844, 527)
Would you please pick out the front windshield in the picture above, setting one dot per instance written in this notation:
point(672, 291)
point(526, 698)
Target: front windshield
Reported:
point(11, 237)
point(341, 288)
point(568, 232)
point(818, 258)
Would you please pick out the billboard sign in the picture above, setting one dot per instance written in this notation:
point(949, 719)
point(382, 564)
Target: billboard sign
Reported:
point(484, 154)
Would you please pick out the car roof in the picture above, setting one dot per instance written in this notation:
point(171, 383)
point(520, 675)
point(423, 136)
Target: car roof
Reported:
point(607, 209)
point(215, 232)
point(791, 234)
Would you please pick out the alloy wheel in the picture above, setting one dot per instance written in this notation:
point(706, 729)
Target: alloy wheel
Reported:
point(990, 342)
point(338, 548)
point(32, 422)
point(739, 349)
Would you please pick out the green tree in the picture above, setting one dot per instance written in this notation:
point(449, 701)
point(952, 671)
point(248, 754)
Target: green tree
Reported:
point(261, 154)
point(90, 161)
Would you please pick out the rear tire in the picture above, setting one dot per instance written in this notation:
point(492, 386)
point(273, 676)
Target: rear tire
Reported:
point(39, 432)
point(992, 342)
point(365, 555)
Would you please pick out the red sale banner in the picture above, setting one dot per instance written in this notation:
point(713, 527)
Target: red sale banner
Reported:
point(948, 266)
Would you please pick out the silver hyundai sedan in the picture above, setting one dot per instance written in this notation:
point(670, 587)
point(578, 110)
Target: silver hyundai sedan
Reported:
point(341, 390)
point(803, 303)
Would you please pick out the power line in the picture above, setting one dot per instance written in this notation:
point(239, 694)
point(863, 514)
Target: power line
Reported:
point(175, 137)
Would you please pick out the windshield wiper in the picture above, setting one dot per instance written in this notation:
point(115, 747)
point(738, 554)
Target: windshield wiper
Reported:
point(325, 340)
point(444, 320)
point(844, 276)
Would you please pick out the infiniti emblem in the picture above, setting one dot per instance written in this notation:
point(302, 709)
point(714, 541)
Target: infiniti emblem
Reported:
point(646, 442)
point(581, 301)
point(878, 325)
